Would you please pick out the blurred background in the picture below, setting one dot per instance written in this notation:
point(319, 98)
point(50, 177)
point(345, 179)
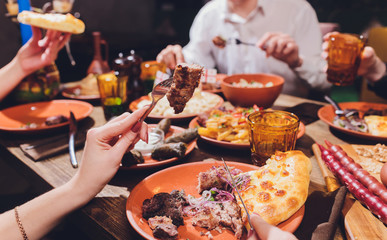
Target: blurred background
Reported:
point(147, 26)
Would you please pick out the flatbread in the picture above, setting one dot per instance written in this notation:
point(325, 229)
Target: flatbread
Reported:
point(377, 125)
point(54, 21)
point(279, 189)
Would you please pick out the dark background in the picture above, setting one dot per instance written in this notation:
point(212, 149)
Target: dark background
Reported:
point(147, 26)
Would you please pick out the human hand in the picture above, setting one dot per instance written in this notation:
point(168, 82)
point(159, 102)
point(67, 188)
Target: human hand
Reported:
point(38, 52)
point(104, 149)
point(282, 47)
point(266, 231)
point(171, 56)
point(371, 66)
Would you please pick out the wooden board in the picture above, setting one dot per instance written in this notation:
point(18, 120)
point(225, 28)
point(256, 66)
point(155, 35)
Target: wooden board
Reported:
point(359, 222)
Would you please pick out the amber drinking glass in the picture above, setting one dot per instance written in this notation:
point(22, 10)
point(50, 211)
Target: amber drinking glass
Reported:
point(271, 131)
point(113, 94)
point(344, 54)
point(148, 73)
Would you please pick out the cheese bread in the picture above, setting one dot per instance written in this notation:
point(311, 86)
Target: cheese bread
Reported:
point(377, 125)
point(279, 189)
point(54, 21)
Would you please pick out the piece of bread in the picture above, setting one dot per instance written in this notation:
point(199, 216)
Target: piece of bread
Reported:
point(279, 189)
point(377, 125)
point(54, 21)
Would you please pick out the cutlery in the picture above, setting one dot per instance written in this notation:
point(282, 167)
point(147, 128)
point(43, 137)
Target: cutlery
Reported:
point(158, 92)
point(68, 50)
point(340, 113)
point(237, 191)
point(327, 230)
point(73, 132)
point(237, 41)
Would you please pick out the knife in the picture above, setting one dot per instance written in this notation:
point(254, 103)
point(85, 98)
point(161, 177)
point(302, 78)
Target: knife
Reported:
point(326, 230)
point(240, 198)
point(73, 132)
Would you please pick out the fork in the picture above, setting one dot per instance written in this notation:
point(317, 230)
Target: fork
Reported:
point(237, 41)
point(158, 92)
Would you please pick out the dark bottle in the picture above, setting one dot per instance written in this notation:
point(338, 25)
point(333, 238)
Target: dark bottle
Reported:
point(99, 65)
point(135, 85)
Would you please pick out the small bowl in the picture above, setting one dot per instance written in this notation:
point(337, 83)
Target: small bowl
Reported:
point(247, 96)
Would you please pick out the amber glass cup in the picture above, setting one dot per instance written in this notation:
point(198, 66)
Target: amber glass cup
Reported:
point(344, 54)
point(271, 131)
point(113, 94)
point(148, 73)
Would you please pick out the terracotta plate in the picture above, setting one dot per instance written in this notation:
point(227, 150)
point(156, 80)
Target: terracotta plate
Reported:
point(149, 162)
point(194, 123)
point(133, 107)
point(327, 114)
point(179, 177)
point(15, 118)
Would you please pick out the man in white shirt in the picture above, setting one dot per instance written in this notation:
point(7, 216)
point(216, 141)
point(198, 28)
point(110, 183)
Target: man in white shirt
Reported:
point(287, 36)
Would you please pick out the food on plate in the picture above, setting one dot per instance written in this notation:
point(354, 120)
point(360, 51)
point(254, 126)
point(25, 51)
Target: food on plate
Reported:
point(185, 79)
point(169, 150)
point(169, 205)
point(377, 125)
point(363, 194)
point(155, 139)
point(351, 119)
point(360, 174)
point(278, 189)
point(275, 191)
point(132, 157)
point(54, 21)
point(49, 121)
point(228, 125)
point(86, 86)
point(164, 125)
point(219, 41)
point(253, 84)
point(199, 103)
point(186, 136)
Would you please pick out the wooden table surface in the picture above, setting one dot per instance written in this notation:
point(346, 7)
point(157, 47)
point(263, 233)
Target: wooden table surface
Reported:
point(105, 218)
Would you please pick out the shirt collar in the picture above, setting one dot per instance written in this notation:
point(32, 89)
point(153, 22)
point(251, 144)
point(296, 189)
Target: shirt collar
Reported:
point(231, 17)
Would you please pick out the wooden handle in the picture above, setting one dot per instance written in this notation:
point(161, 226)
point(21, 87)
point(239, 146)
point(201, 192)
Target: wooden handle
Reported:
point(330, 180)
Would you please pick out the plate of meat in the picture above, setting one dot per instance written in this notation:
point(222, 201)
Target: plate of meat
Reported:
point(148, 196)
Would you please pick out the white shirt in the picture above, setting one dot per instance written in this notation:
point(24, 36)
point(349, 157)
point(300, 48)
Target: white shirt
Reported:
point(293, 17)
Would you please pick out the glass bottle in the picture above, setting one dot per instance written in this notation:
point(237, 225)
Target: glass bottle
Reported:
point(99, 65)
point(135, 85)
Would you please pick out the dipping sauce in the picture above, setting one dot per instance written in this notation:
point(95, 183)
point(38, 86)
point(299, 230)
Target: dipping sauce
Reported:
point(155, 138)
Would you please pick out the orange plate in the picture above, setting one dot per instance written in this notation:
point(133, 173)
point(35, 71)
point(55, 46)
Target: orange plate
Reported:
point(165, 181)
point(149, 162)
point(327, 114)
point(194, 123)
point(219, 78)
point(14, 118)
point(133, 107)
point(70, 93)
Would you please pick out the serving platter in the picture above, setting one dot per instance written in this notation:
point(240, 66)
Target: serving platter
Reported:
point(194, 124)
point(15, 119)
point(149, 162)
point(327, 114)
point(166, 181)
point(134, 106)
point(75, 92)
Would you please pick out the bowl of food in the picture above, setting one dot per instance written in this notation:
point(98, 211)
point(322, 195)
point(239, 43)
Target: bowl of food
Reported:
point(245, 90)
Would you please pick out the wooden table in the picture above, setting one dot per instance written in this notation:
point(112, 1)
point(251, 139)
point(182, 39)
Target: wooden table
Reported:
point(105, 218)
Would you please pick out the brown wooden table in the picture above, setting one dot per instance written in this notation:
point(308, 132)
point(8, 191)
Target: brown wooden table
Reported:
point(105, 218)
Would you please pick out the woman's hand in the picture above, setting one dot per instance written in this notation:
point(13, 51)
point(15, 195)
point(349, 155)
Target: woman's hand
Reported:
point(371, 66)
point(171, 56)
point(282, 47)
point(38, 52)
point(104, 149)
point(266, 231)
